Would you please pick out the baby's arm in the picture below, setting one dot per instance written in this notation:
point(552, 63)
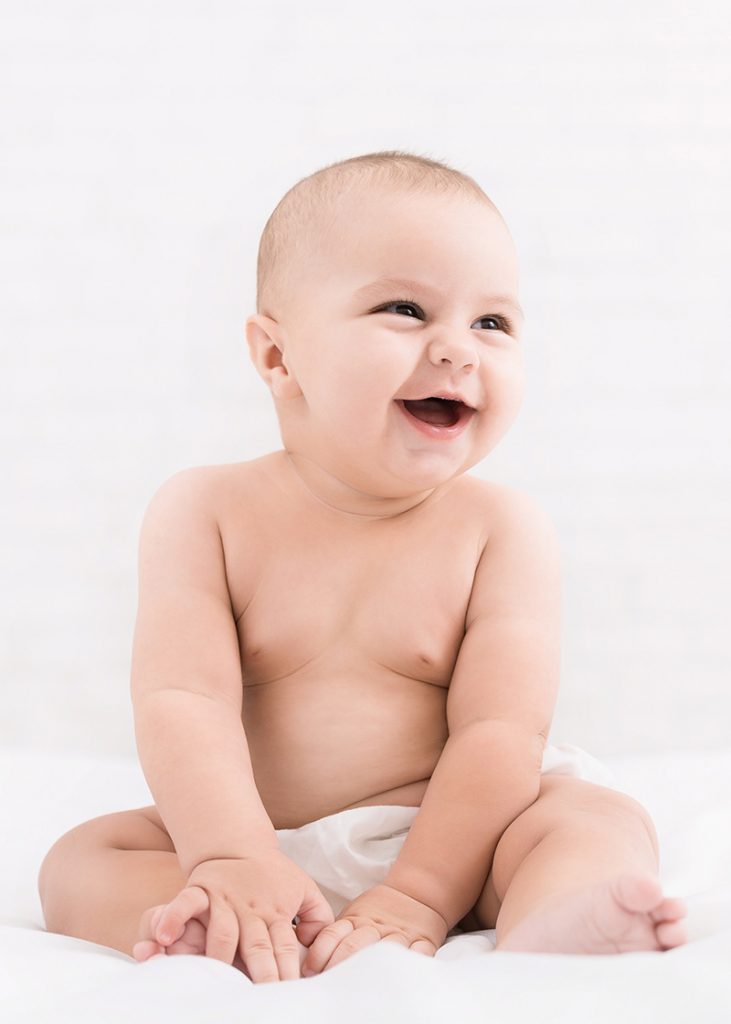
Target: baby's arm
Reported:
point(187, 694)
point(186, 682)
point(499, 708)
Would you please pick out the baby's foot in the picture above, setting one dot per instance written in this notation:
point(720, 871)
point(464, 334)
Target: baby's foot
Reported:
point(190, 937)
point(623, 915)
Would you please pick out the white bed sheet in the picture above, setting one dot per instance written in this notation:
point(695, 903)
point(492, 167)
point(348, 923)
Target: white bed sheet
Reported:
point(46, 977)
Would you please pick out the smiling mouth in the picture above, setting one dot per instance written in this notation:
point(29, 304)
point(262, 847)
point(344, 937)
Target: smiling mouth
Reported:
point(439, 419)
point(441, 412)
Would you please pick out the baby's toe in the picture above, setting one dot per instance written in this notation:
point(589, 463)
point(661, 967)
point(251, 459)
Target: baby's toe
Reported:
point(671, 909)
point(146, 948)
point(671, 933)
point(192, 941)
point(149, 919)
point(638, 893)
point(147, 928)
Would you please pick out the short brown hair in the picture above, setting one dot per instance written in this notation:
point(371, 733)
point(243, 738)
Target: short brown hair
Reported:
point(310, 206)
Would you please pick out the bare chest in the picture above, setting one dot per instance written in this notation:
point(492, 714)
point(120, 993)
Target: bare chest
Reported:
point(349, 635)
point(324, 603)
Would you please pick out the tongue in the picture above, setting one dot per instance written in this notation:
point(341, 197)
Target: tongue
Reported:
point(434, 410)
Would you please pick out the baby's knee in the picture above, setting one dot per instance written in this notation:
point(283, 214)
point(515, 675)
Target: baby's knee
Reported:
point(622, 808)
point(60, 864)
point(72, 859)
point(634, 809)
point(53, 876)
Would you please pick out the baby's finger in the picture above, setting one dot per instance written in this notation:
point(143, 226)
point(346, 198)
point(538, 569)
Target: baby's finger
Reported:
point(418, 945)
point(256, 950)
point(364, 936)
point(222, 934)
point(286, 949)
point(188, 903)
point(424, 946)
point(322, 947)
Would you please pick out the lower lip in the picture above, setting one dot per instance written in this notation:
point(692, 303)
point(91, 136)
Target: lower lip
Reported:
point(434, 429)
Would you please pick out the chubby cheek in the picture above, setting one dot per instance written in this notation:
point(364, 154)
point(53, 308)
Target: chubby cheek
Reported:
point(514, 391)
point(504, 399)
point(359, 394)
point(342, 412)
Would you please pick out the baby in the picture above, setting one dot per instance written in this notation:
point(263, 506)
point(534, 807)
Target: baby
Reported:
point(355, 622)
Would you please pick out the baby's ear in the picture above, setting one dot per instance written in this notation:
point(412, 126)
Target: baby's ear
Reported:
point(266, 348)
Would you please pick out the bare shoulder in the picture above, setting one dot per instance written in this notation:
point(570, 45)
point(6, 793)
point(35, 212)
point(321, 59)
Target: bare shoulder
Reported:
point(509, 514)
point(225, 474)
point(211, 488)
point(519, 570)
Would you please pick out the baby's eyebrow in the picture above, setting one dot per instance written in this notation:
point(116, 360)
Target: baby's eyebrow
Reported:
point(389, 283)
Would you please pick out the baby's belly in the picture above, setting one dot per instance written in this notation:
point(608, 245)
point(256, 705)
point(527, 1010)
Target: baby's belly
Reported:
point(319, 746)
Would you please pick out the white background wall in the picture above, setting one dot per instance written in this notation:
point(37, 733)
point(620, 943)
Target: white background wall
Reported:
point(144, 145)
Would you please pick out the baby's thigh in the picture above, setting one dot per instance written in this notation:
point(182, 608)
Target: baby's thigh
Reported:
point(89, 879)
point(138, 829)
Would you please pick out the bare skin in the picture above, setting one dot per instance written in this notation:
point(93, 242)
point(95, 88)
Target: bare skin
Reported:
point(350, 559)
point(371, 648)
point(416, 618)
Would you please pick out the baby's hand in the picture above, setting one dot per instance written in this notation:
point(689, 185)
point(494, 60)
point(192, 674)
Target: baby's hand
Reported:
point(241, 911)
point(379, 914)
point(188, 936)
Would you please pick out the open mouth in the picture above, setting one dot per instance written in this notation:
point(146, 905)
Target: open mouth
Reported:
point(437, 418)
point(441, 412)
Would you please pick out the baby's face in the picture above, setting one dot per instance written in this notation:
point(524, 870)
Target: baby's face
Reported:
point(355, 342)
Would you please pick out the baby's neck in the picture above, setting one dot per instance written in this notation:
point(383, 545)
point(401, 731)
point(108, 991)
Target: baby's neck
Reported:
point(345, 501)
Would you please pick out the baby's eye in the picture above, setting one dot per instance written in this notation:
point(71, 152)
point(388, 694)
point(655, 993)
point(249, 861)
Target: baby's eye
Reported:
point(402, 305)
point(501, 322)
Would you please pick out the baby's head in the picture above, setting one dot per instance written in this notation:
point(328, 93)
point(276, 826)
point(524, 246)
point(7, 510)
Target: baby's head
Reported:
point(340, 346)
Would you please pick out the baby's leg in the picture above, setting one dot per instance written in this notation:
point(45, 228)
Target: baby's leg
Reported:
point(98, 879)
point(577, 872)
